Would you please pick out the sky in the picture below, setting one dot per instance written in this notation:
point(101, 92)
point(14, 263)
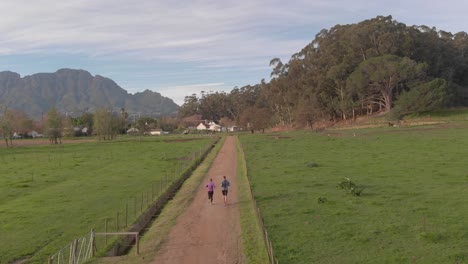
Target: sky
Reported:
point(180, 48)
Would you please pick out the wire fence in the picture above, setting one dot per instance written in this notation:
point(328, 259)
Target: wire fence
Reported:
point(133, 214)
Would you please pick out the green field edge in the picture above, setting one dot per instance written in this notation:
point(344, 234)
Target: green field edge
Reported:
point(253, 243)
point(152, 240)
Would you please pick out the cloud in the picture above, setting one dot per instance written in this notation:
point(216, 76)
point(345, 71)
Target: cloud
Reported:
point(146, 30)
point(208, 40)
point(178, 93)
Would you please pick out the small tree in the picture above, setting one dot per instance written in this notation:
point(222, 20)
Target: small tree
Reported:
point(145, 123)
point(168, 123)
point(6, 127)
point(106, 125)
point(256, 118)
point(54, 126)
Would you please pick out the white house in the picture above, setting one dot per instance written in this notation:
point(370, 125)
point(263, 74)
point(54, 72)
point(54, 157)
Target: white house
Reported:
point(214, 127)
point(233, 128)
point(202, 126)
point(133, 130)
point(155, 132)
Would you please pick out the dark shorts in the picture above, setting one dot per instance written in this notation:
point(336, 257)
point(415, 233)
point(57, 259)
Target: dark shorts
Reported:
point(225, 192)
point(210, 195)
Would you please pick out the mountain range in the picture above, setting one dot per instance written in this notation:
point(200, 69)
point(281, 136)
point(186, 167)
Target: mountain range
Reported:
point(74, 92)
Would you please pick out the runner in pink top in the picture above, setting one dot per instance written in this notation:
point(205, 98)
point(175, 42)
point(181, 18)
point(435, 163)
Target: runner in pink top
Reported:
point(210, 187)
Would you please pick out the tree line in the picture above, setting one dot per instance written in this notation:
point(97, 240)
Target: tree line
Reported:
point(103, 123)
point(375, 66)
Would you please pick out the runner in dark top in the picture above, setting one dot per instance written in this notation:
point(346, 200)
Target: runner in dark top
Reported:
point(224, 188)
point(210, 187)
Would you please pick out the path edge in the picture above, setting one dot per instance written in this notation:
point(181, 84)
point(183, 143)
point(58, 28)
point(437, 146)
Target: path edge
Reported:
point(253, 240)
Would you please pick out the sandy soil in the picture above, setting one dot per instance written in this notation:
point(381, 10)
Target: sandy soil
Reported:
point(205, 233)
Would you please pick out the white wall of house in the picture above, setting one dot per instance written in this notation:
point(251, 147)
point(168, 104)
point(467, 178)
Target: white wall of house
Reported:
point(155, 132)
point(201, 126)
point(215, 127)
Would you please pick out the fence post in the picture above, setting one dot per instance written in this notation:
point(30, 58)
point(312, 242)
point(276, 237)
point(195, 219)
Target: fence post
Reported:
point(50, 260)
point(117, 224)
point(141, 208)
point(137, 243)
point(135, 205)
point(160, 187)
point(126, 215)
point(75, 251)
point(105, 228)
point(93, 243)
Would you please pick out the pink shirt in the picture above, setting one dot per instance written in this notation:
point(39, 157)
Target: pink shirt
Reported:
point(210, 186)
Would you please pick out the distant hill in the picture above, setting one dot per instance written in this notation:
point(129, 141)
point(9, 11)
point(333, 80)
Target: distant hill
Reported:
point(76, 91)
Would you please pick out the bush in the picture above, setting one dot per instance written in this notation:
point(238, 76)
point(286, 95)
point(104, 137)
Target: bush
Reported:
point(321, 200)
point(351, 187)
point(428, 96)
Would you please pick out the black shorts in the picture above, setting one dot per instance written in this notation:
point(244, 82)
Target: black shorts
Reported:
point(210, 195)
point(225, 192)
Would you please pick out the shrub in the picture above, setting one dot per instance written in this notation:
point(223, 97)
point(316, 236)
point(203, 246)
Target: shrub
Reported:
point(321, 200)
point(351, 187)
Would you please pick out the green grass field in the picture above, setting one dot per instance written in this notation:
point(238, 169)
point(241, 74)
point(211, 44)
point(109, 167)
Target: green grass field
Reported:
point(50, 195)
point(413, 209)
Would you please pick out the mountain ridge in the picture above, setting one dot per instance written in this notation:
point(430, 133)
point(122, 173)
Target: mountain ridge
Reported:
point(76, 90)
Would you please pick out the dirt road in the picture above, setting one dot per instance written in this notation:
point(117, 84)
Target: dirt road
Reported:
point(205, 233)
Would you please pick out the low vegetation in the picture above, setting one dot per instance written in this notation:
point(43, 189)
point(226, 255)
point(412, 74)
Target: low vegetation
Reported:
point(411, 208)
point(253, 244)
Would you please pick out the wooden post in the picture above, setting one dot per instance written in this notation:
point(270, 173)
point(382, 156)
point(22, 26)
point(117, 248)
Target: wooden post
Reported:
point(126, 215)
point(50, 260)
point(117, 224)
point(160, 187)
point(271, 250)
point(93, 242)
point(137, 243)
point(105, 228)
point(75, 252)
point(141, 209)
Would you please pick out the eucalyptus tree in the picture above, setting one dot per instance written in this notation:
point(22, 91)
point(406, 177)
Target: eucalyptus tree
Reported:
point(379, 78)
point(190, 107)
point(213, 105)
point(240, 99)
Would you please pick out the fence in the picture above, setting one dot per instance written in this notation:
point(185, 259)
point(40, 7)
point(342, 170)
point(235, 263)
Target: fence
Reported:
point(138, 211)
point(78, 251)
point(268, 244)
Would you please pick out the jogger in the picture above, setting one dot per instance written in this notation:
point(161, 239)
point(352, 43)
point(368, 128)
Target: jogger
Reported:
point(224, 188)
point(210, 187)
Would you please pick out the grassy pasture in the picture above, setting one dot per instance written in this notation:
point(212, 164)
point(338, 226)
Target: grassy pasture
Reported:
point(50, 195)
point(413, 208)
